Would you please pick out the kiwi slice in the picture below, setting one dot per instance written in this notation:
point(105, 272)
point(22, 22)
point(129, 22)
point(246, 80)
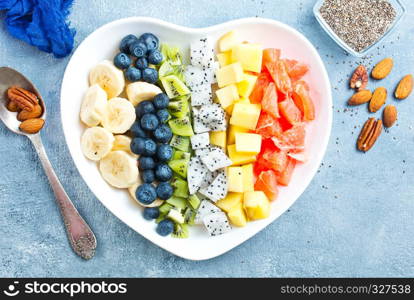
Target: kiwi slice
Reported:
point(180, 231)
point(165, 69)
point(180, 187)
point(179, 108)
point(173, 86)
point(189, 216)
point(181, 126)
point(194, 201)
point(178, 154)
point(179, 166)
point(181, 143)
point(172, 54)
point(177, 202)
point(164, 209)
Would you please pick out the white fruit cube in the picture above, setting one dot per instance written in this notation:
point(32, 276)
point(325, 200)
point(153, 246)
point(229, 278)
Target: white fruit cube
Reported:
point(248, 142)
point(229, 74)
point(228, 41)
point(199, 141)
point(245, 115)
point(235, 179)
point(227, 95)
point(249, 55)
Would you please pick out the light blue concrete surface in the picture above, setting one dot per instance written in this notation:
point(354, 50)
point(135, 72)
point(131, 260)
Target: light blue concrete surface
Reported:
point(355, 219)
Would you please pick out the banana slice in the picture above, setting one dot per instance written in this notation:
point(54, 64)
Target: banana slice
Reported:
point(132, 190)
point(96, 142)
point(119, 169)
point(93, 106)
point(123, 142)
point(109, 78)
point(119, 115)
point(140, 91)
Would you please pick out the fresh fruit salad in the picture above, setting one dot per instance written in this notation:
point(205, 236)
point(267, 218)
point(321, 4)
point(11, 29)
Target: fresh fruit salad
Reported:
point(204, 143)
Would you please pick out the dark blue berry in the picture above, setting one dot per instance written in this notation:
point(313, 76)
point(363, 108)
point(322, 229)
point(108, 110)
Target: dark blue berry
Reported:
point(161, 101)
point(151, 213)
point(137, 131)
point(150, 147)
point(163, 115)
point(150, 75)
point(138, 49)
point(164, 190)
point(150, 40)
point(155, 57)
point(146, 193)
point(146, 163)
point(138, 145)
point(163, 172)
point(122, 61)
point(133, 74)
point(164, 152)
point(141, 63)
point(163, 133)
point(149, 122)
point(144, 107)
point(147, 176)
point(126, 43)
point(165, 227)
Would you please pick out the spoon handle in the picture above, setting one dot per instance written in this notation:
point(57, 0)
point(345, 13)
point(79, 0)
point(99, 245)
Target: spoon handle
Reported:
point(80, 235)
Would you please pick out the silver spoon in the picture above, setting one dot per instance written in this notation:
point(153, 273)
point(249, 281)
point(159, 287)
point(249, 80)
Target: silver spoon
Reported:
point(81, 237)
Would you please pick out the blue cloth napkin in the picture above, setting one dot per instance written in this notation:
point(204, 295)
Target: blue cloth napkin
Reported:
point(41, 23)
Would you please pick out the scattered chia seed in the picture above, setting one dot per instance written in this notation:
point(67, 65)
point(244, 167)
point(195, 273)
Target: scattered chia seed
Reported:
point(359, 23)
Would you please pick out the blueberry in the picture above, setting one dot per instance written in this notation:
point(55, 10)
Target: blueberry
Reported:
point(150, 40)
point(133, 74)
point(137, 130)
point(149, 122)
point(146, 193)
point(138, 49)
point(163, 172)
point(165, 227)
point(151, 213)
point(163, 115)
point(141, 63)
point(126, 43)
point(146, 163)
point(144, 107)
point(164, 190)
point(161, 101)
point(155, 57)
point(163, 133)
point(122, 61)
point(164, 152)
point(150, 75)
point(147, 176)
point(138, 145)
point(150, 147)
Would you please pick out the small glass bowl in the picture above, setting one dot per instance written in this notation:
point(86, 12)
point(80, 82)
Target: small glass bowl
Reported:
point(399, 9)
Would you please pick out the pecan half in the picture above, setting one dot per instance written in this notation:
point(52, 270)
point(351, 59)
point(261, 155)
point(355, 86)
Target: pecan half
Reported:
point(369, 134)
point(359, 79)
point(23, 98)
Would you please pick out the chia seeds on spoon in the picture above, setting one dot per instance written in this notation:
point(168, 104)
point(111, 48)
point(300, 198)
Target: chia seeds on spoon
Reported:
point(359, 23)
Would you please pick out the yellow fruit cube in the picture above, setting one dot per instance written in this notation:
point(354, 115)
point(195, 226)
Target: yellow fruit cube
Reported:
point(249, 55)
point(218, 138)
point(227, 95)
point(245, 115)
point(229, 109)
point(239, 158)
point(248, 178)
point(224, 58)
point(256, 204)
point(231, 200)
point(233, 129)
point(228, 41)
point(229, 74)
point(237, 216)
point(248, 142)
point(246, 86)
point(235, 179)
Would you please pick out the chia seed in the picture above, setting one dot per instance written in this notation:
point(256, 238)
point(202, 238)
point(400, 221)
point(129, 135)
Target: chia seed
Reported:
point(359, 23)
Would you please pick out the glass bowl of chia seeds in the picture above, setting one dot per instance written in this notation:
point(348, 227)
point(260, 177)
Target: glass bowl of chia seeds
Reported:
point(358, 25)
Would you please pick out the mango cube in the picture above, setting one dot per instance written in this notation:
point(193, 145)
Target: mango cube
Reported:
point(248, 178)
point(227, 95)
point(249, 55)
point(228, 41)
point(218, 138)
point(256, 204)
point(248, 142)
point(233, 129)
point(239, 158)
point(235, 179)
point(229, 109)
point(230, 201)
point(245, 115)
point(229, 74)
point(246, 86)
point(224, 58)
point(237, 216)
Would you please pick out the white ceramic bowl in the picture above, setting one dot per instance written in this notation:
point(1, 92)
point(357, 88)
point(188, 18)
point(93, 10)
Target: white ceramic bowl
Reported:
point(103, 44)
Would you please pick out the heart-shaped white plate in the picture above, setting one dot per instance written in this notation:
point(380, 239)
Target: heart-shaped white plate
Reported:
point(103, 44)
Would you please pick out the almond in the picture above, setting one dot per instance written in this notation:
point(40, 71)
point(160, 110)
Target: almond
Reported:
point(383, 68)
point(405, 87)
point(25, 115)
point(378, 99)
point(13, 107)
point(369, 134)
point(32, 125)
point(360, 97)
point(389, 115)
